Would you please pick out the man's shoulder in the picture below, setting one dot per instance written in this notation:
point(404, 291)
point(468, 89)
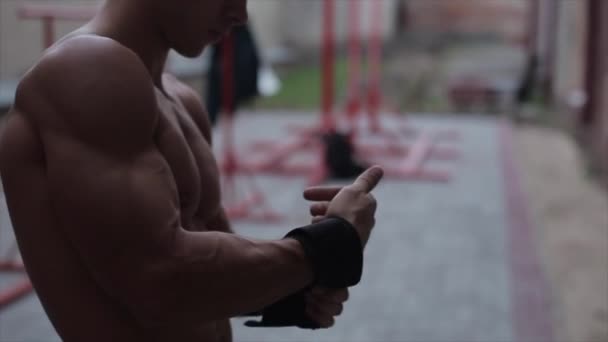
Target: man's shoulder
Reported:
point(85, 68)
point(87, 77)
point(86, 84)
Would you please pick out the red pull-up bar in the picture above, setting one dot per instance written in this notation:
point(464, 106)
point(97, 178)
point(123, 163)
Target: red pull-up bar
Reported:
point(47, 14)
point(327, 61)
point(254, 205)
point(228, 99)
point(353, 105)
point(375, 62)
point(371, 94)
point(276, 153)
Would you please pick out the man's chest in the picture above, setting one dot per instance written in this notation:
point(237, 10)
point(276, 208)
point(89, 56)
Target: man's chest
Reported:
point(191, 161)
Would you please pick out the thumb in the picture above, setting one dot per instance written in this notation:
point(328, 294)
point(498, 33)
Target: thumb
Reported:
point(369, 179)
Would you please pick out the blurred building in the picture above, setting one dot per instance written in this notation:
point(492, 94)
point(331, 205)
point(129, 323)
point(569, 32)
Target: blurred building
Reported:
point(594, 117)
point(276, 23)
point(502, 18)
point(301, 22)
point(571, 41)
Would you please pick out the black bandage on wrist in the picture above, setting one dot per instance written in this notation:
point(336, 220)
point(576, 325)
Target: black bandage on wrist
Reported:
point(288, 312)
point(335, 251)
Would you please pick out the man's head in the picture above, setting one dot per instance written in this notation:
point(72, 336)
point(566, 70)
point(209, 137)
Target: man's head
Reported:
point(190, 25)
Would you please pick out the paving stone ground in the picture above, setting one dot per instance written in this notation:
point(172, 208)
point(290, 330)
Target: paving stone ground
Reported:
point(438, 266)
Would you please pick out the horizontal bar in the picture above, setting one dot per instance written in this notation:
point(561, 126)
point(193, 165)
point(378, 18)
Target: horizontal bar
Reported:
point(15, 293)
point(62, 12)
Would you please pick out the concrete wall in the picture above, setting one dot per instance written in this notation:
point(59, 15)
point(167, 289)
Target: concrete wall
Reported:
point(264, 18)
point(570, 71)
point(599, 124)
point(506, 18)
point(570, 49)
point(297, 22)
point(302, 20)
point(21, 40)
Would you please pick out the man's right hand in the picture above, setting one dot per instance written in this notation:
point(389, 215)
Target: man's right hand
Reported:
point(353, 203)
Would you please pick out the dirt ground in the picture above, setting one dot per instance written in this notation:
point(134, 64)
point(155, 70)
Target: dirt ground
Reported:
point(568, 207)
point(570, 211)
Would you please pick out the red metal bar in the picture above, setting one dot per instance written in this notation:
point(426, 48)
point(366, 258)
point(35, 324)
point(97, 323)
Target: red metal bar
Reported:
point(402, 151)
point(56, 11)
point(306, 137)
point(393, 146)
point(253, 206)
point(412, 167)
point(327, 62)
point(353, 104)
point(530, 301)
point(228, 104)
point(374, 65)
point(419, 154)
point(48, 14)
point(48, 31)
point(281, 152)
point(15, 293)
point(10, 265)
point(275, 158)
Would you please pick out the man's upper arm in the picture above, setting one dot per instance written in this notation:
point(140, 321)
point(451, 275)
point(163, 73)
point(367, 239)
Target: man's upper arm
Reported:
point(112, 190)
point(116, 198)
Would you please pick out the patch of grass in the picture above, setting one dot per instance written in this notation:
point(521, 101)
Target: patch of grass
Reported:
point(301, 87)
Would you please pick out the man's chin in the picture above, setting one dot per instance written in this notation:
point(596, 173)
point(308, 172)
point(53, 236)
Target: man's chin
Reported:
point(192, 52)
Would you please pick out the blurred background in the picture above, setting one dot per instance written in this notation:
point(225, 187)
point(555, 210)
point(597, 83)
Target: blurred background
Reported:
point(493, 220)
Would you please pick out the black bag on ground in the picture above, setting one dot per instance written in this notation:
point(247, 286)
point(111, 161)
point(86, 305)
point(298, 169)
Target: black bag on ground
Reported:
point(340, 156)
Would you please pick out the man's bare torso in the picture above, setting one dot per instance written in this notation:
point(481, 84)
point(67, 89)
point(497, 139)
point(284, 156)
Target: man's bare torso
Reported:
point(182, 135)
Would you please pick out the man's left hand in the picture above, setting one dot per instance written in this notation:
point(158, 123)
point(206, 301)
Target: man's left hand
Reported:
point(323, 305)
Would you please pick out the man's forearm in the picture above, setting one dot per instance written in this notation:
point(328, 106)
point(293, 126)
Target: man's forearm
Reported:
point(219, 223)
point(216, 275)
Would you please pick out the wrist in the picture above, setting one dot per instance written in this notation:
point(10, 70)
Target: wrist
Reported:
point(305, 266)
point(333, 247)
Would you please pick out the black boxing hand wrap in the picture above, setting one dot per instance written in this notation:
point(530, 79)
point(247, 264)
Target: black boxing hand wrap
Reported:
point(287, 312)
point(335, 251)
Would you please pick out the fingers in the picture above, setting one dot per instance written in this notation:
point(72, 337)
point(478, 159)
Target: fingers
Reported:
point(319, 208)
point(326, 308)
point(323, 305)
point(323, 312)
point(317, 219)
point(321, 193)
point(331, 295)
point(324, 321)
point(340, 296)
point(368, 180)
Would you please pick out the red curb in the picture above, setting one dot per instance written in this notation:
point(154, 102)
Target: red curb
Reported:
point(529, 289)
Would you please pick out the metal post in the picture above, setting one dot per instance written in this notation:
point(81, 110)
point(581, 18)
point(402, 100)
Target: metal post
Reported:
point(375, 61)
point(327, 62)
point(48, 31)
point(353, 105)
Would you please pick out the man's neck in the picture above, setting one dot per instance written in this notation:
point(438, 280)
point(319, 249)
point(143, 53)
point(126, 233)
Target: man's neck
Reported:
point(131, 28)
